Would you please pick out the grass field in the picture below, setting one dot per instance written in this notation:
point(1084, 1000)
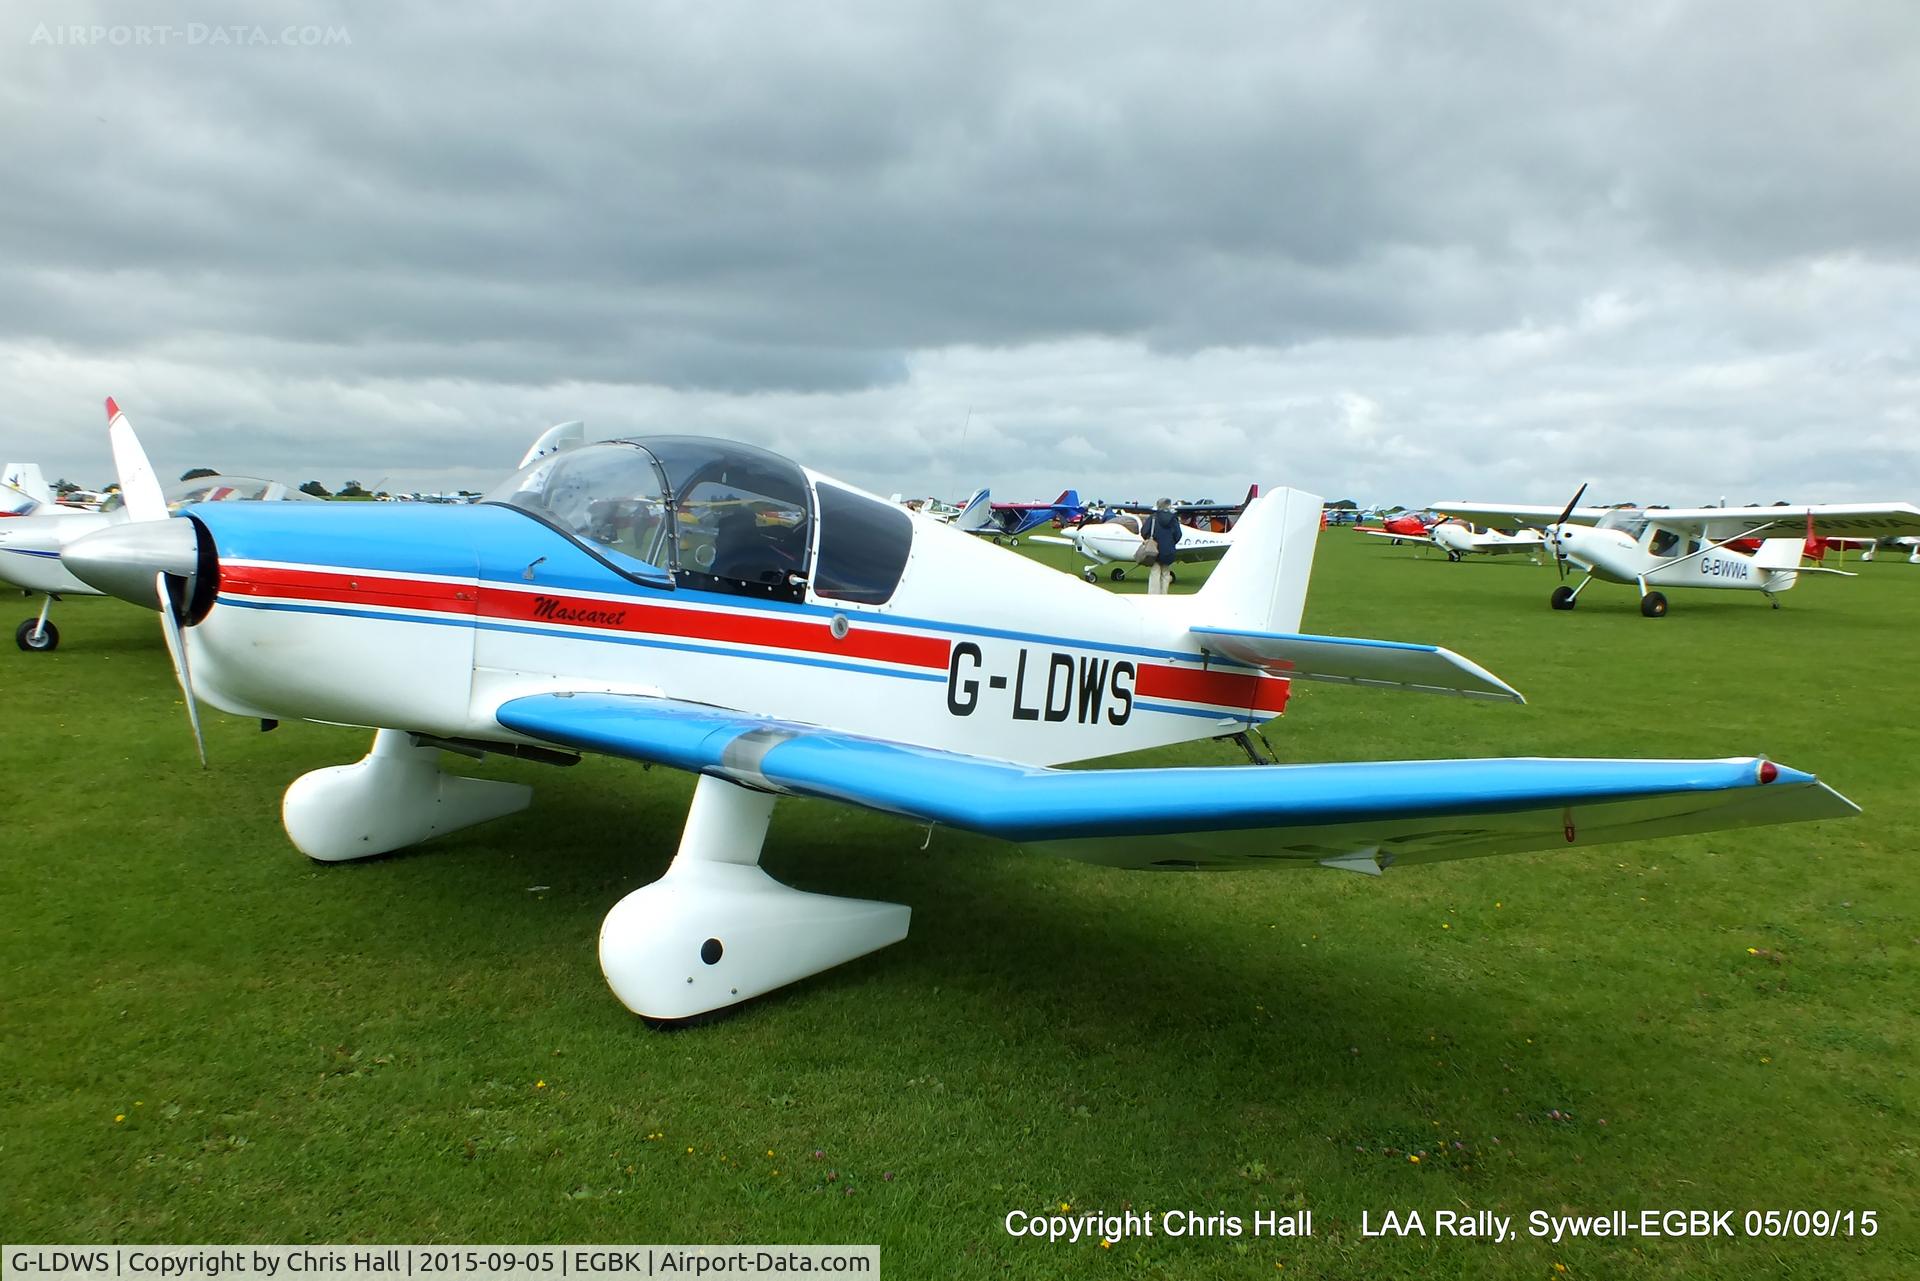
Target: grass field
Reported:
point(207, 1038)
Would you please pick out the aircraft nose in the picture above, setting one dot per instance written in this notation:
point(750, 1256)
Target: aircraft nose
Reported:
point(122, 560)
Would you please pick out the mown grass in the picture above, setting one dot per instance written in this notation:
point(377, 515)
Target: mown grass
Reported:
point(421, 1047)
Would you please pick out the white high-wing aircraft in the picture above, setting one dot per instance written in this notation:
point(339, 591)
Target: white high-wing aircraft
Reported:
point(718, 609)
point(1461, 538)
point(1113, 542)
point(1652, 548)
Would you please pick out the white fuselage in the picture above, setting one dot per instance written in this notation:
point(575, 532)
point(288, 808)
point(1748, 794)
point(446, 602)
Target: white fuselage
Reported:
point(1463, 538)
point(1682, 559)
point(1112, 541)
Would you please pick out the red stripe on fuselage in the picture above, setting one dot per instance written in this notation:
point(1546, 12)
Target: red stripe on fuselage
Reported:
point(1221, 689)
point(742, 628)
point(306, 584)
point(624, 616)
point(745, 627)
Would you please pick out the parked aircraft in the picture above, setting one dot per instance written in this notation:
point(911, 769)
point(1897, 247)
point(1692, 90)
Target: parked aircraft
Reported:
point(1460, 538)
point(1216, 518)
point(1652, 548)
point(1114, 541)
point(1007, 521)
point(30, 545)
point(1403, 525)
point(943, 679)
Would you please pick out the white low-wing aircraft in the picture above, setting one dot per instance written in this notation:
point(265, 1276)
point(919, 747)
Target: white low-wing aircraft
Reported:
point(1114, 541)
point(1461, 538)
point(1655, 548)
point(30, 544)
point(719, 609)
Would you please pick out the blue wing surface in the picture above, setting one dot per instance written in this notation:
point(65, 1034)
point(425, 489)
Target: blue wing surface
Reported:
point(1364, 815)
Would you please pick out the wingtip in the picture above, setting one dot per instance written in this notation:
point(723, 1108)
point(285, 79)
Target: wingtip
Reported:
point(113, 410)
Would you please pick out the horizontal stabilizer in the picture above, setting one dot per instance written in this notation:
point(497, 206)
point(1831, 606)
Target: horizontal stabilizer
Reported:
point(1386, 812)
point(1346, 660)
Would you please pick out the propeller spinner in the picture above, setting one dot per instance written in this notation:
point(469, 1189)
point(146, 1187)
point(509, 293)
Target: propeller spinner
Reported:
point(1553, 534)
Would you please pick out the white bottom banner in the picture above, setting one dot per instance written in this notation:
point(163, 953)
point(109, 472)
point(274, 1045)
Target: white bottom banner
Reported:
point(432, 1262)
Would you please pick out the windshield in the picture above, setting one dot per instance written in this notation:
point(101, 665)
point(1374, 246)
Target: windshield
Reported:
point(609, 496)
point(720, 516)
point(1630, 521)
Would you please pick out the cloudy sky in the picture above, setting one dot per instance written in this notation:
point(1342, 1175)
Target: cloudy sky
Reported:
point(1388, 251)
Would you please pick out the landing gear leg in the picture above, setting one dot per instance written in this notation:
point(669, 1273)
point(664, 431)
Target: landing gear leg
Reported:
point(717, 930)
point(1565, 597)
point(37, 635)
point(1772, 599)
point(1254, 755)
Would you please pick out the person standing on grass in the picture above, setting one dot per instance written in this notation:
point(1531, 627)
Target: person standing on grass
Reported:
point(1163, 531)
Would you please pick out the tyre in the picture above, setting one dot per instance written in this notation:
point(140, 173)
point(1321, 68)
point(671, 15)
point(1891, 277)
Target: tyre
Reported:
point(1653, 605)
point(1089, 575)
point(37, 637)
point(1453, 555)
point(1117, 574)
point(1562, 598)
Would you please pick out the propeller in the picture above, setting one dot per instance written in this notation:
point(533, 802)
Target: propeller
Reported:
point(1559, 553)
point(150, 559)
point(177, 650)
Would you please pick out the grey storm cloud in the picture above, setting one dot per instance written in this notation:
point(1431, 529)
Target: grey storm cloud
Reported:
point(1371, 246)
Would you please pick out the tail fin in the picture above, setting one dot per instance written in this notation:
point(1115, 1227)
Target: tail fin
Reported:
point(1779, 553)
point(976, 513)
point(1261, 583)
point(20, 481)
point(1253, 492)
point(1069, 498)
point(1779, 560)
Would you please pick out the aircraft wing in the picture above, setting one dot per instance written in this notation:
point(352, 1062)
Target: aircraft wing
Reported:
point(1509, 515)
point(1829, 520)
point(1504, 546)
point(1398, 538)
point(1345, 660)
point(1357, 815)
